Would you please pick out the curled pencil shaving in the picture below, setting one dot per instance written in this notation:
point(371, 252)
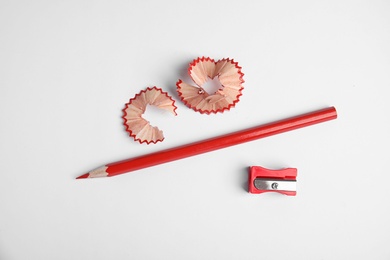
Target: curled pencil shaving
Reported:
point(203, 69)
point(138, 127)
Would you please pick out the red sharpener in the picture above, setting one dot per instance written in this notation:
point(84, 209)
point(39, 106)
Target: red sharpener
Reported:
point(263, 180)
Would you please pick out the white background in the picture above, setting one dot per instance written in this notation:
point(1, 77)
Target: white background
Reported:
point(68, 67)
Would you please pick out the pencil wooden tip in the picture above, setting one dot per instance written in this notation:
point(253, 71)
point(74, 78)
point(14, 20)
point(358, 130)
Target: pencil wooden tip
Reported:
point(84, 176)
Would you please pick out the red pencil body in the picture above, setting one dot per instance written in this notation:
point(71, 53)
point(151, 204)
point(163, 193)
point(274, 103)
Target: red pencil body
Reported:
point(212, 144)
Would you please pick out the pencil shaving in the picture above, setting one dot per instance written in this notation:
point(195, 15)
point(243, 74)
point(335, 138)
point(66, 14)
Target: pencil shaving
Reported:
point(204, 69)
point(137, 126)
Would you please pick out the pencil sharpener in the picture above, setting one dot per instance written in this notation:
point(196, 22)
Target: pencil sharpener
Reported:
point(263, 180)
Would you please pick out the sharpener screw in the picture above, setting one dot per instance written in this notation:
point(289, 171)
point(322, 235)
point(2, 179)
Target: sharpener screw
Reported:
point(274, 186)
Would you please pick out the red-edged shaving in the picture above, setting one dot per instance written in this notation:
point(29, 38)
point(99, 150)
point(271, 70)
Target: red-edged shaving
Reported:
point(203, 69)
point(138, 127)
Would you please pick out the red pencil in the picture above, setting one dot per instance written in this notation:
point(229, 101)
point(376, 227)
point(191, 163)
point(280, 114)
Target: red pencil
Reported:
point(212, 144)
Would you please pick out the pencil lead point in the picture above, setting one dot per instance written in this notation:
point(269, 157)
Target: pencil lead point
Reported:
point(84, 176)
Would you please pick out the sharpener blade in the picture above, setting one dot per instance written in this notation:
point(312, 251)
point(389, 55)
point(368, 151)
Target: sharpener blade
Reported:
point(272, 184)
